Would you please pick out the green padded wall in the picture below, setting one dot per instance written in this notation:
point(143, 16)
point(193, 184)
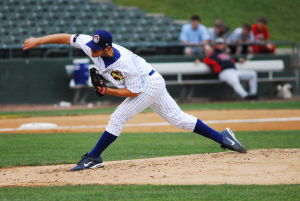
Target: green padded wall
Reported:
point(44, 81)
point(33, 81)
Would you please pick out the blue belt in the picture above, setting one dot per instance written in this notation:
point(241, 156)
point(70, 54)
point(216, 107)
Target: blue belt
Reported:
point(151, 72)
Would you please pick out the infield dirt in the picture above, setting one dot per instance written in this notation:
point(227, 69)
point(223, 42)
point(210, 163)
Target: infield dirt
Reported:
point(206, 115)
point(273, 166)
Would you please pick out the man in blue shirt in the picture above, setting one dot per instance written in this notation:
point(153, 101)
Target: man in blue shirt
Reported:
point(193, 35)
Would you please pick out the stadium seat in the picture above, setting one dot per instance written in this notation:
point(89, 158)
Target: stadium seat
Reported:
point(62, 2)
point(46, 2)
point(22, 9)
point(28, 2)
point(59, 23)
point(2, 17)
point(135, 14)
point(8, 9)
point(83, 16)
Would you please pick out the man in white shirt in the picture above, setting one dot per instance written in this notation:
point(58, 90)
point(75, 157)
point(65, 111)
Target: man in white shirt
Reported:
point(136, 80)
point(239, 41)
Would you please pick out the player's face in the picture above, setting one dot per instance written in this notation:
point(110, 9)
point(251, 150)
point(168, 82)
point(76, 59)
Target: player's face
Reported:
point(107, 52)
point(218, 29)
point(245, 31)
point(97, 53)
point(260, 25)
point(195, 24)
point(220, 46)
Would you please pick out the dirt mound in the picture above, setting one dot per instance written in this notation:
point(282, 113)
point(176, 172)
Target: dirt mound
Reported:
point(273, 166)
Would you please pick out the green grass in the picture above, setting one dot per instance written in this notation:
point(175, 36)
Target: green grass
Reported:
point(151, 192)
point(41, 149)
point(282, 15)
point(244, 105)
point(219, 106)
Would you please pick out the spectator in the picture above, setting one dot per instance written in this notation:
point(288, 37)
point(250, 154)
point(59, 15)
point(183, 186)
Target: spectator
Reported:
point(224, 66)
point(218, 31)
point(193, 35)
point(261, 34)
point(239, 40)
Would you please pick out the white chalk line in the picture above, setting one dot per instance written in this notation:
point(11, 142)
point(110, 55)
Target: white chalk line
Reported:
point(161, 124)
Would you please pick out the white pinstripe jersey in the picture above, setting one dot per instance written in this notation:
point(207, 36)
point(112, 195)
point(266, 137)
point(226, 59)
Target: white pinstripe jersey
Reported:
point(125, 69)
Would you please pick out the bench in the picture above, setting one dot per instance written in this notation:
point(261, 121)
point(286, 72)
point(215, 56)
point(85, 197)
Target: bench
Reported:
point(189, 68)
point(181, 69)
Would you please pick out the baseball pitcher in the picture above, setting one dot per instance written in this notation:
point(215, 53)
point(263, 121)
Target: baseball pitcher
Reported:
point(136, 80)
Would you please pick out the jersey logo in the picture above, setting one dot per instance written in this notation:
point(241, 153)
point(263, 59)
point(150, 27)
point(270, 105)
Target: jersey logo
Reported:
point(117, 75)
point(224, 56)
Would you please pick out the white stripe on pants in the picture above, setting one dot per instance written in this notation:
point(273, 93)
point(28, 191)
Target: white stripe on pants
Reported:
point(232, 77)
point(159, 100)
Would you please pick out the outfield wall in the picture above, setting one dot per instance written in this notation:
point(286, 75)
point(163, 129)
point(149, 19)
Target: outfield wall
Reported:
point(44, 81)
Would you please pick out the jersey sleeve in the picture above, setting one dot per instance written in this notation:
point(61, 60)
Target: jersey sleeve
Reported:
point(204, 33)
point(80, 41)
point(211, 33)
point(251, 36)
point(213, 64)
point(183, 34)
point(234, 36)
point(266, 33)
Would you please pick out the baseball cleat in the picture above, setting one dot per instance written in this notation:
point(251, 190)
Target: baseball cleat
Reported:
point(88, 162)
point(230, 142)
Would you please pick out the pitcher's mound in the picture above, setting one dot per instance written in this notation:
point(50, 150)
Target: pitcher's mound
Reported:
point(273, 166)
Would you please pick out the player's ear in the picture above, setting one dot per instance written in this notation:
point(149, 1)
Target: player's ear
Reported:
point(108, 48)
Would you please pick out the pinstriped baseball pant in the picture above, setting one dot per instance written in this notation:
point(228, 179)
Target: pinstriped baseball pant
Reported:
point(158, 99)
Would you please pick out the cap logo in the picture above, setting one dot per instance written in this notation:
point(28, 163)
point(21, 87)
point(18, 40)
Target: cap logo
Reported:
point(96, 38)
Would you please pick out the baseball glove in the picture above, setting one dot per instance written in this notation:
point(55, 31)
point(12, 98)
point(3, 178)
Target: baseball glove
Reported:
point(98, 82)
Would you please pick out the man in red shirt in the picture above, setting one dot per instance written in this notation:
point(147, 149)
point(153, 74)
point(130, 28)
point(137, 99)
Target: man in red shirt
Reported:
point(261, 34)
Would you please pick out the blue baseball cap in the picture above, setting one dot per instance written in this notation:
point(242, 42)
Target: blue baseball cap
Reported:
point(101, 40)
